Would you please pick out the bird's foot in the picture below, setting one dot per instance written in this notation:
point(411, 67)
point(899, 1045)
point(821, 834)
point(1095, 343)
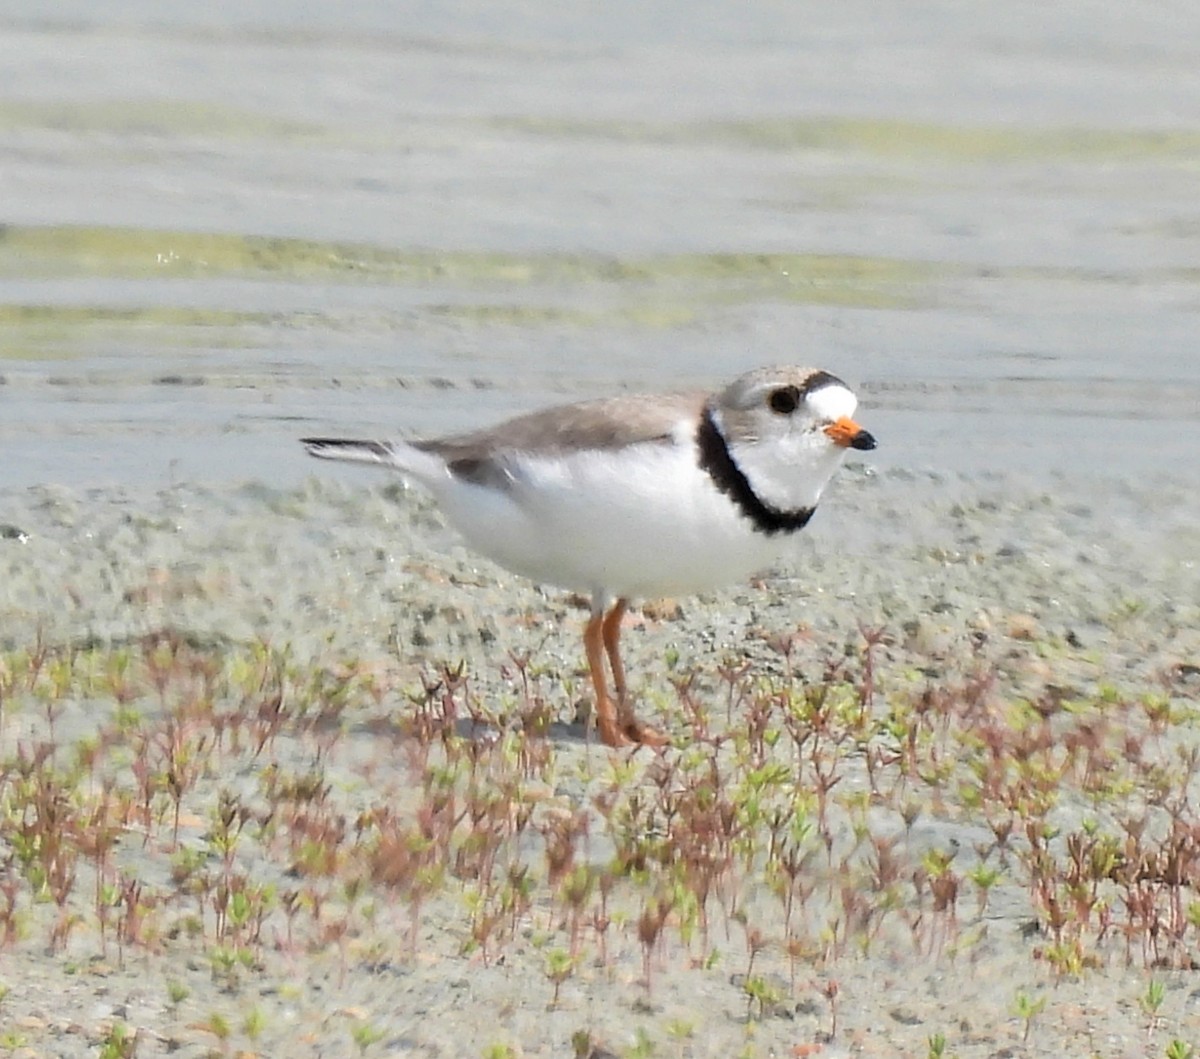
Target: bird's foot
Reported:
point(613, 734)
point(643, 734)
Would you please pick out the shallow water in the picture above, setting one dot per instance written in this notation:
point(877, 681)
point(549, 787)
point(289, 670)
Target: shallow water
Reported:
point(229, 228)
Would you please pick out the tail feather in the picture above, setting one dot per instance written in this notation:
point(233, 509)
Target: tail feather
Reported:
point(398, 455)
point(351, 450)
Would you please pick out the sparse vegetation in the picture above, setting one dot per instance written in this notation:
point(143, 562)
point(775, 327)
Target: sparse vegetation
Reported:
point(780, 823)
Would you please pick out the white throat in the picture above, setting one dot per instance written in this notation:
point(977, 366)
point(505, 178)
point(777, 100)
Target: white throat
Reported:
point(790, 461)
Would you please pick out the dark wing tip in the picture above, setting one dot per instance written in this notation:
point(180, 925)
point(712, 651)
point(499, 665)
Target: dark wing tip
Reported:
point(315, 445)
point(347, 448)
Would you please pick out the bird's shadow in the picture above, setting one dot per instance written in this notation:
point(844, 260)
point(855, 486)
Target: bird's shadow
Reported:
point(470, 729)
point(555, 731)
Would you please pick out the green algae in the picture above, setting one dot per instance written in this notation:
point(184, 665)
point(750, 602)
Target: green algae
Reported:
point(885, 137)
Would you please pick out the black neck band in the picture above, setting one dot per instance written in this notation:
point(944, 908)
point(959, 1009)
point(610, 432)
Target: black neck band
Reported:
point(727, 476)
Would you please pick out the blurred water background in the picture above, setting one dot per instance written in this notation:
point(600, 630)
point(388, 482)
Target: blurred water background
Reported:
point(228, 225)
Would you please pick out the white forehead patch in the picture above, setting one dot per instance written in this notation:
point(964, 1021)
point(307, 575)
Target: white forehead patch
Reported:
point(832, 402)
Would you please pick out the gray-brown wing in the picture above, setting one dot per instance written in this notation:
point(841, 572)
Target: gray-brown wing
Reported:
point(484, 456)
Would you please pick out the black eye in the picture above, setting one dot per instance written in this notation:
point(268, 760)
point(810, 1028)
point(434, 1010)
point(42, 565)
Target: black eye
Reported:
point(784, 400)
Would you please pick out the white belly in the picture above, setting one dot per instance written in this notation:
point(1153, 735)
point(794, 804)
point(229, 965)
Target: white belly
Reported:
point(650, 524)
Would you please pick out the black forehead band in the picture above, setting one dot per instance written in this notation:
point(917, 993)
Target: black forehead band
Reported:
point(818, 380)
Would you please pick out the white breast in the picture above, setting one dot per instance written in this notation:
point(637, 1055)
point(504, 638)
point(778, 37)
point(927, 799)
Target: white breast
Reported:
point(641, 521)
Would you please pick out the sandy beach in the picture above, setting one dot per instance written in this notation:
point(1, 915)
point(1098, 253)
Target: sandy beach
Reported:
point(347, 801)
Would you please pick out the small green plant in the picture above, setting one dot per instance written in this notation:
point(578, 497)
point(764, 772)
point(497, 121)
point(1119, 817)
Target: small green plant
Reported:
point(365, 1035)
point(984, 877)
point(762, 993)
point(118, 1043)
point(218, 1025)
point(1178, 1049)
point(642, 1047)
point(254, 1023)
point(499, 1051)
point(1151, 1000)
point(228, 963)
point(937, 1047)
point(177, 993)
point(1027, 1009)
point(559, 966)
point(1067, 958)
point(679, 1030)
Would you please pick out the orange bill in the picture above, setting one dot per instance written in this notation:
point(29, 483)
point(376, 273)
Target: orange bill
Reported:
point(849, 434)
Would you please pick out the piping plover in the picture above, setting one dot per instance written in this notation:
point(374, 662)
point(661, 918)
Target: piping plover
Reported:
point(642, 495)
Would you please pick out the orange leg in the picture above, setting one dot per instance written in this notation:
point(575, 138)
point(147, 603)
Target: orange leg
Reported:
point(629, 724)
point(612, 646)
point(594, 641)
